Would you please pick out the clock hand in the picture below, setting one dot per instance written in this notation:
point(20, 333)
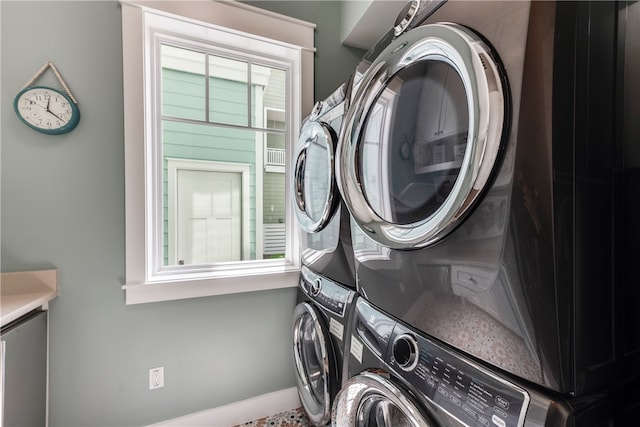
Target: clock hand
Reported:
point(54, 114)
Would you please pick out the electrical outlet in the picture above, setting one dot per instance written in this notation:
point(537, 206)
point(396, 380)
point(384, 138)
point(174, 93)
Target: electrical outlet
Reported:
point(156, 378)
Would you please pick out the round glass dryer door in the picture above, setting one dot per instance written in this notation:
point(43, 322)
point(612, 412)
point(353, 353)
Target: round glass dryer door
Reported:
point(422, 137)
point(313, 176)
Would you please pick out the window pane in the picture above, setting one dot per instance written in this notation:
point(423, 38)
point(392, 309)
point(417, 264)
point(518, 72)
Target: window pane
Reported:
point(274, 199)
point(270, 94)
point(275, 119)
point(274, 180)
point(183, 83)
point(228, 91)
point(211, 207)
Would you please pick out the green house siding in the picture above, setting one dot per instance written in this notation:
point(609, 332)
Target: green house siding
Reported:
point(183, 95)
point(183, 98)
point(228, 102)
point(273, 95)
point(202, 142)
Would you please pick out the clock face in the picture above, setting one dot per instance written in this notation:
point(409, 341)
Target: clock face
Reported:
point(47, 110)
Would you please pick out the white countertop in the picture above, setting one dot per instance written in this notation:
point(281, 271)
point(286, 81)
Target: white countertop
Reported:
point(24, 291)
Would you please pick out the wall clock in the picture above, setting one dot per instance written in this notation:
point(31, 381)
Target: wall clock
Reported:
point(46, 109)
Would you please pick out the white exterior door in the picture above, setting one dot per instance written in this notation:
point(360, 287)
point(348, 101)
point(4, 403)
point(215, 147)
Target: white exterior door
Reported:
point(209, 216)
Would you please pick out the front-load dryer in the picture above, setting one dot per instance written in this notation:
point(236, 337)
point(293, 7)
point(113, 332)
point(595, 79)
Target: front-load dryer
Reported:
point(488, 163)
point(319, 325)
point(400, 377)
point(324, 226)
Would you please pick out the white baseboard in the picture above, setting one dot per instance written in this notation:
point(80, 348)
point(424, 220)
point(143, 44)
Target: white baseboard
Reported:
point(240, 412)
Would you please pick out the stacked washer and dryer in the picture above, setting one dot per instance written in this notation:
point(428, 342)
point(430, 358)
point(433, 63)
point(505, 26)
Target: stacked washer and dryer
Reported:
point(489, 161)
point(326, 292)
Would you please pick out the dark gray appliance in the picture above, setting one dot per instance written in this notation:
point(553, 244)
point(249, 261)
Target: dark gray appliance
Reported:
point(399, 377)
point(489, 160)
point(319, 341)
point(327, 283)
point(23, 371)
point(325, 235)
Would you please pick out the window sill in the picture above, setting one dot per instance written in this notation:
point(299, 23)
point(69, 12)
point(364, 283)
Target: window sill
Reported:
point(193, 288)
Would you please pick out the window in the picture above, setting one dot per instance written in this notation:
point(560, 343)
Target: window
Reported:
point(210, 118)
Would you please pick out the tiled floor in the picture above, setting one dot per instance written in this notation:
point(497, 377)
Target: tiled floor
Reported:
point(293, 418)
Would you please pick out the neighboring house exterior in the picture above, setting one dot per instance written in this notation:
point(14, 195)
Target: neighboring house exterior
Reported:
point(229, 141)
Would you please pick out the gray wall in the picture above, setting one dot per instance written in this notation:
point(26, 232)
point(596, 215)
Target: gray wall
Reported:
point(334, 63)
point(63, 206)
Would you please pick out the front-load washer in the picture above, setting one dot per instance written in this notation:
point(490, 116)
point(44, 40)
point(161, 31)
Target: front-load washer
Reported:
point(490, 166)
point(320, 322)
point(324, 226)
point(399, 377)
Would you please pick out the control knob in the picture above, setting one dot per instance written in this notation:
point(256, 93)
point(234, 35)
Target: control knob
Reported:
point(405, 351)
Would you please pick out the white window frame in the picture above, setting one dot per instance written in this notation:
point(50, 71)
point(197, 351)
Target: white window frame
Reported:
point(147, 280)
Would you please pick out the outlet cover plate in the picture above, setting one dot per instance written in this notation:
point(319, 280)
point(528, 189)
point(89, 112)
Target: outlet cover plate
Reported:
point(156, 378)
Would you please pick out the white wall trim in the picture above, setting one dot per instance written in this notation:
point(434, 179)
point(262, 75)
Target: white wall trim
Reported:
point(240, 412)
point(196, 286)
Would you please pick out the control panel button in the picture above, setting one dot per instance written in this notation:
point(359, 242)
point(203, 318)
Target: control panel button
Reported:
point(498, 421)
point(500, 412)
point(443, 392)
point(502, 402)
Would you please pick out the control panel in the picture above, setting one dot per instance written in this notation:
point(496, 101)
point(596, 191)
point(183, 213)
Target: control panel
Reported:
point(326, 293)
point(467, 392)
point(471, 395)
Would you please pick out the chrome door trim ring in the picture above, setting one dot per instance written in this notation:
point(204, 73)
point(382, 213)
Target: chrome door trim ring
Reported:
point(321, 414)
point(298, 181)
point(349, 401)
point(405, 21)
point(307, 223)
point(486, 97)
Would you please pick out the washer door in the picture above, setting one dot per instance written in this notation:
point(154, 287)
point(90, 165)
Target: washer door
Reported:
point(369, 399)
point(313, 176)
point(313, 362)
point(422, 136)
